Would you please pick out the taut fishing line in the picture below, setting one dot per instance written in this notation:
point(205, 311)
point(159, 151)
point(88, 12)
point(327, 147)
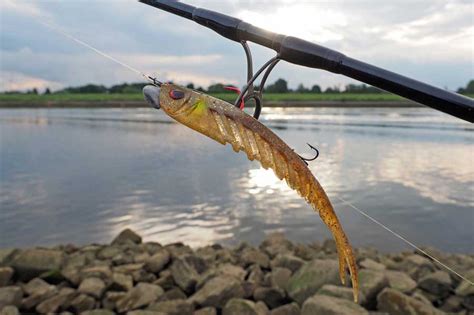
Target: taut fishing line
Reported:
point(154, 81)
point(405, 240)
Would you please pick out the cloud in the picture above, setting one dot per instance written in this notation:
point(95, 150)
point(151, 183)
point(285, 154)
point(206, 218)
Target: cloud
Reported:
point(15, 81)
point(21, 7)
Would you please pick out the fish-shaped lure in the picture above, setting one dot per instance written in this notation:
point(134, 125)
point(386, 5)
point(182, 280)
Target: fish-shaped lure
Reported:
point(225, 123)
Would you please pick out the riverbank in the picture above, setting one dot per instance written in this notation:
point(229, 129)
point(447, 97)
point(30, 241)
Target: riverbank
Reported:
point(276, 278)
point(136, 100)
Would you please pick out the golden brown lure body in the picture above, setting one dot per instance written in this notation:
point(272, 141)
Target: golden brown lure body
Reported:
point(226, 123)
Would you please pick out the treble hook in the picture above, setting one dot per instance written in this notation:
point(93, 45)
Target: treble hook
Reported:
point(311, 159)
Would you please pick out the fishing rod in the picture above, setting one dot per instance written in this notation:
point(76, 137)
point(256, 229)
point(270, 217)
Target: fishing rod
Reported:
point(305, 53)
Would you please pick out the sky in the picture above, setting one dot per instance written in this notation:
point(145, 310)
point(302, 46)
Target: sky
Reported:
point(431, 41)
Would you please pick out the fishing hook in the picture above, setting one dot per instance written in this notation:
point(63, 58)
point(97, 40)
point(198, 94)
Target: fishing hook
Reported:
point(153, 80)
point(306, 160)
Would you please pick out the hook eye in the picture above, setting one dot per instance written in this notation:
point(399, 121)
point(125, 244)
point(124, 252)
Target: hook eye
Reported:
point(176, 94)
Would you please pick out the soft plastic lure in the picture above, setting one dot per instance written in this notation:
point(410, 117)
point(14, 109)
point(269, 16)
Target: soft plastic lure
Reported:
point(226, 123)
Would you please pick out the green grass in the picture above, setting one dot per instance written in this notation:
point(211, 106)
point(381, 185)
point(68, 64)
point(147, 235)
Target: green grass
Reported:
point(57, 98)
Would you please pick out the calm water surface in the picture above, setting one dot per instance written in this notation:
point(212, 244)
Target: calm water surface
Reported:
point(82, 175)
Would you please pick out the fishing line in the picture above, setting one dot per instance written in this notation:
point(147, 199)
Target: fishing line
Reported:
point(77, 40)
point(405, 240)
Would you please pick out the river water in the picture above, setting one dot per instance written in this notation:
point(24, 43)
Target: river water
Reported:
point(82, 175)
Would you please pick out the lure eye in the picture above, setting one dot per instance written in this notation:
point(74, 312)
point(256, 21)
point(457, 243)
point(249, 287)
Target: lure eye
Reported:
point(176, 94)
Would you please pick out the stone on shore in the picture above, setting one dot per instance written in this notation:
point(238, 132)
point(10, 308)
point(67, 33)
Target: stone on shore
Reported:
point(396, 303)
point(368, 263)
point(371, 282)
point(400, 281)
point(336, 291)
point(6, 273)
point(31, 263)
point(279, 277)
point(288, 261)
point(158, 261)
point(243, 307)
point(10, 296)
point(438, 283)
point(143, 294)
point(184, 275)
point(92, 286)
point(311, 277)
point(217, 291)
point(173, 307)
point(329, 305)
point(206, 311)
point(125, 236)
point(272, 297)
point(287, 309)
point(9, 310)
point(57, 302)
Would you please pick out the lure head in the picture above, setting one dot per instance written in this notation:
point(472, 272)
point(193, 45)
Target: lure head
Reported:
point(171, 98)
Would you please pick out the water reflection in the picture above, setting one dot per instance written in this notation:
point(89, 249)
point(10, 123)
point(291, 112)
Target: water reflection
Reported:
point(83, 175)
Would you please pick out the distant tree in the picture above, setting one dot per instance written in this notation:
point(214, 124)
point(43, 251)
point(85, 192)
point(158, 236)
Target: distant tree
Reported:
point(334, 89)
point(280, 86)
point(469, 89)
point(47, 91)
point(315, 89)
point(89, 88)
point(200, 89)
point(190, 86)
point(216, 88)
point(301, 89)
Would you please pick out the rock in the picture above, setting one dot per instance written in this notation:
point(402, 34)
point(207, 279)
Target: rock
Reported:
point(452, 304)
point(288, 261)
point(400, 281)
point(10, 296)
point(6, 255)
point(92, 286)
point(397, 303)
point(141, 257)
point(151, 247)
point(328, 305)
point(371, 282)
point(82, 303)
point(416, 266)
point(336, 291)
point(329, 246)
point(276, 243)
point(178, 249)
point(9, 310)
point(165, 280)
point(174, 307)
point(438, 283)
point(173, 294)
point(109, 252)
point(371, 264)
point(56, 302)
point(465, 288)
point(468, 302)
point(217, 291)
point(288, 309)
point(304, 252)
point(121, 282)
point(198, 263)
point(145, 312)
point(242, 307)
point(6, 273)
point(102, 271)
point(143, 294)
point(252, 256)
point(143, 276)
point(226, 270)
point(37, 291)
point(184, 275)
point(273, 297)
point(111, 298)
point(311, 277)
point(128, 268)
point(125, 236)
point(31, 263)
point(206, 311)
point(421, 296)
point(98, 312)
point(255, 274)
point(158, 261)
point(279, 277)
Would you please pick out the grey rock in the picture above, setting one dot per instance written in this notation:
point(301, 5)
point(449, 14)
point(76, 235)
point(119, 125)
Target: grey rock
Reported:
point(82, 303)
point(111, 298)
point(452, 304)
point(143, 294)
point(329, 246)
point(368, 263)
point(6, 273)
point(206, 311)
point(31, 263)
point(141, 257)
point(145, 312)
point(287, 261)
point(178, 249)
point(416, 266)
point(438, 283)
point(121, 282)
point(109, 252)
point(255, 274)
point(125, 236)
point(99, 271)
point(184, 275)
point(279, 277)
point(158, 261)
point(252, 256)
point(242, 307)
point(272, 297)
point(397, 303)
point(128, 268)
point(92, 286)
point(468, 302)
point(371, 282)
point(37, 291)
point(226, 270)
point(151, 247)
point(165, 280)
point(98, 312)
point(173, 307)
point(276, 243)
point(217, 291)
point(10, 296)
point(173, 294)
point(9, 310)
point(56, 302)
point(198, 263)
point(311, 277)
point(336, 291)
point(6, 254)
point(421, 296)
point(304, 252)
point(288, 309)
point(328, 305)
point(400, 281)
point(143, 276)
point(465, 288)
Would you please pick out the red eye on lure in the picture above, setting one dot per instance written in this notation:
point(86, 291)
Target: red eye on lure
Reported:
point(236, 90)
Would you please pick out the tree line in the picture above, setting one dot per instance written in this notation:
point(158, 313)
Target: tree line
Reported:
point(279, 86)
